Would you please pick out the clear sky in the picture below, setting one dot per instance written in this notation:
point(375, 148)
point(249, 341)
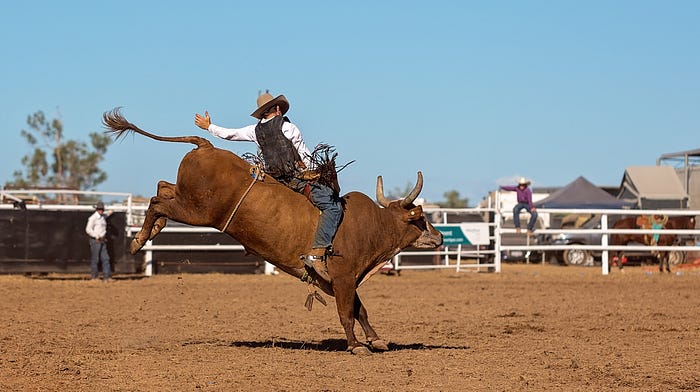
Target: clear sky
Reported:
point(472, 93)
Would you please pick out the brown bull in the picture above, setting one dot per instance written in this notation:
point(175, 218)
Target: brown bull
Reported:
point(215, 188)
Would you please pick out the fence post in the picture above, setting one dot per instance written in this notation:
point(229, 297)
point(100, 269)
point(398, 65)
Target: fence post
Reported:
point(459, 257)
point(497, 232)
point(270, 269)
point(129, 211)
point(148, 260)
point(604, 242)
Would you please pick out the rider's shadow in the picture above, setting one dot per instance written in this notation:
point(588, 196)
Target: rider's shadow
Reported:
point(334, 345)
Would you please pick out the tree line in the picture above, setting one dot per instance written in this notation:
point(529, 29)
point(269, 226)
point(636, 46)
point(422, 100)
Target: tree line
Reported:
point(58, 163)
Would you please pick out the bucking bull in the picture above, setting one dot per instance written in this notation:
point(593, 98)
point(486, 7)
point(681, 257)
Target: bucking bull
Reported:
point(215, 188)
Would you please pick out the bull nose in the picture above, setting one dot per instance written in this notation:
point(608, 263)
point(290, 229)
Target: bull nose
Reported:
point(439, 239)
point(435, 238)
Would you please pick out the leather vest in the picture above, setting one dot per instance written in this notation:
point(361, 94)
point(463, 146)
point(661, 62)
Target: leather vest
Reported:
point(278, 152)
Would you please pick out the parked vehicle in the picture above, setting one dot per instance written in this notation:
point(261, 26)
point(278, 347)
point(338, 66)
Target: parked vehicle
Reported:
point(512, 239)
point(589, 258)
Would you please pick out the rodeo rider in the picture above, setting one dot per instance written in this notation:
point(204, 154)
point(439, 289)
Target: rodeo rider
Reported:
point(287, 159)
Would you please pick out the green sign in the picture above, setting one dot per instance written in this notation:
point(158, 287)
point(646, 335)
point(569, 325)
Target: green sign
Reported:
point(471, 233)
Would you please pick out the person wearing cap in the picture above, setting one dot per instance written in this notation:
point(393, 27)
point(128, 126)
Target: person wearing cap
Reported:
point(286, 158)
point(524, 198)
point(96, 228)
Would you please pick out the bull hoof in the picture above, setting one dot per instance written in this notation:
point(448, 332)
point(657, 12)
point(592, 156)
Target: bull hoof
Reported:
point(135, 246)
point(360, 350)
point(379, 345)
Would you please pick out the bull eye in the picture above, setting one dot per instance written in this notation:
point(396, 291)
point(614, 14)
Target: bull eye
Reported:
point(413, 213)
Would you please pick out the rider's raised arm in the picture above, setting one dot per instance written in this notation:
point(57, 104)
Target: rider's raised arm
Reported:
point(240, 134)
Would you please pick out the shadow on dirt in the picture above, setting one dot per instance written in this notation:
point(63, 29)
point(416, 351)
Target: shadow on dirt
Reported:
point(67, 278)
point(334, 345)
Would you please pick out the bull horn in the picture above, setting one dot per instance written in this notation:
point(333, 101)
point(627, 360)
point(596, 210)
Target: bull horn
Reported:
point(414, 193)
point(381, 199)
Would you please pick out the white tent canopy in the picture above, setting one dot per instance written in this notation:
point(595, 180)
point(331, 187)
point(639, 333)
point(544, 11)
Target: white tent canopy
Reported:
point(652, 187)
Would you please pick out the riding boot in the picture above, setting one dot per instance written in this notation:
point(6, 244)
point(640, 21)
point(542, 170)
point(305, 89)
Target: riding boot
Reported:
point(316, 259)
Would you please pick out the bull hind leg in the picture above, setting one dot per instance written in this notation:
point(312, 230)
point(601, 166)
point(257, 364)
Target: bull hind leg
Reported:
point(158, 225)
point(345, 295)
point(166, 190)
point(154, 220)
point(148, 230)
point(375, 342)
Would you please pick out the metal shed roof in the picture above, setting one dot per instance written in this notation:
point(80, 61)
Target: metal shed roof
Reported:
point(681, 154)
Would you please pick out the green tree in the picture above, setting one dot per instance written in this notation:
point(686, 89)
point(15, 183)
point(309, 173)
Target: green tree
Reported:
point(398, 193)
point(58, 163)
point(452, 200)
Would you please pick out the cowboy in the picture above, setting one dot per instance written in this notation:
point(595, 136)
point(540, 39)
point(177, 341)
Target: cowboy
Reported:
point(96, 228)
point(287, 159)
point(524, 198)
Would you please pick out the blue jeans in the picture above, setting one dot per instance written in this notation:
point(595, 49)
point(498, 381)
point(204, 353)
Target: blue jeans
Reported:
point(98, 251)
point(331, 208)
point(516, 216)
point(323, 198)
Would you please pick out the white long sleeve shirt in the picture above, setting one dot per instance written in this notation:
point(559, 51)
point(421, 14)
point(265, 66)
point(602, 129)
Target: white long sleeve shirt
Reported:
point(97, 225)
point(247, 134)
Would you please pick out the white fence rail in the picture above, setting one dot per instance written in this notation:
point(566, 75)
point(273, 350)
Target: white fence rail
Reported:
point(494, 254)
point(457, 257)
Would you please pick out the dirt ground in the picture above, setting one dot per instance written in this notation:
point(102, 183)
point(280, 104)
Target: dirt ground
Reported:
point(532, 327)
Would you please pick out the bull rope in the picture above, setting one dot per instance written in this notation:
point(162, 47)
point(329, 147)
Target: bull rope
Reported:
point(257, 174)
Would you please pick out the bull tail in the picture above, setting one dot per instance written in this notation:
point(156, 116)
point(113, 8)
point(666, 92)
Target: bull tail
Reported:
point(119, 126)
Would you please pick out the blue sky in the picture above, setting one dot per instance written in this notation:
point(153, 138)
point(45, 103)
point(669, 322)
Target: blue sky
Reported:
point(473, 94)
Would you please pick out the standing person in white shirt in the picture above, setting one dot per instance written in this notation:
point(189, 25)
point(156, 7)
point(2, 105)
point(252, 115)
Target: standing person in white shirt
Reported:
point(286, 158)
point(96, 228)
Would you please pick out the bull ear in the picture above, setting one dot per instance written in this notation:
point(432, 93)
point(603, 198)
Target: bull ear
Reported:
point(414, 213)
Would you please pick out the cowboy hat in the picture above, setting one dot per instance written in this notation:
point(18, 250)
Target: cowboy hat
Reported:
point(265, 102)
point(100, 206)
point(523, 181)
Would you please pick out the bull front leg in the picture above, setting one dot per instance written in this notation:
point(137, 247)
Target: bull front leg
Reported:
point(345, 295)
point(375, 342)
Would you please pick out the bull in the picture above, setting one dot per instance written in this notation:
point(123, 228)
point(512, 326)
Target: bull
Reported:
point(216, 188)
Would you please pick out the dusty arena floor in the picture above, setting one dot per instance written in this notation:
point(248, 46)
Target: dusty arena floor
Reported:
point(532, 327)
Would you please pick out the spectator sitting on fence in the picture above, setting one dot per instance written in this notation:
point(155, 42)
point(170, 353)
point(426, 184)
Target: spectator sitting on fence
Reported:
point(96, 228)
point(524, 198)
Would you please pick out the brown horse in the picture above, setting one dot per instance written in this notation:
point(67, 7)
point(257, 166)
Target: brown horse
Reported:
point(634, 222)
